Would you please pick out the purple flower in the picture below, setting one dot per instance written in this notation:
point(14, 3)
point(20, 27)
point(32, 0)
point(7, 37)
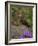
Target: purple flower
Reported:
point(28, 33)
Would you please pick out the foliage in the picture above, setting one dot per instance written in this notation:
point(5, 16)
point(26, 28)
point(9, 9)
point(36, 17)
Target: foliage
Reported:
point(21, 14)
